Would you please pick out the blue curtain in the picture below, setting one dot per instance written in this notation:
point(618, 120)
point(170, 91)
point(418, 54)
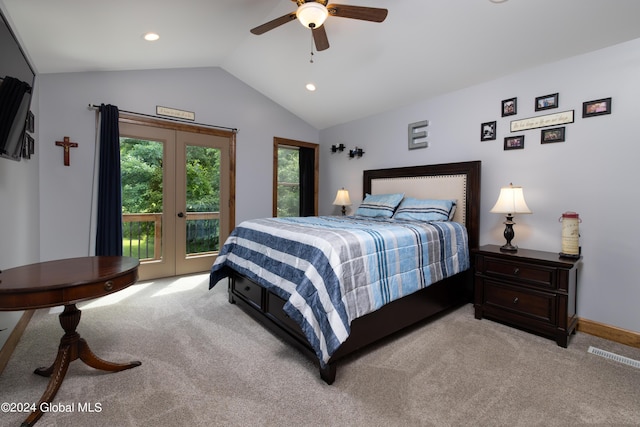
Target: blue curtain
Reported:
point(306, 164)
point(109, 220)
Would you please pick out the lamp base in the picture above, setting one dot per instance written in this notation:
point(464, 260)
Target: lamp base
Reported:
point(508, 248)
point(509, 234)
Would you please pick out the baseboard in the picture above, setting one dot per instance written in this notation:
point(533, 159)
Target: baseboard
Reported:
point(12, 341)
point(610, 333)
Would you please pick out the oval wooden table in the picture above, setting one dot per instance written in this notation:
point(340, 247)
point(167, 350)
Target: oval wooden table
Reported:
point(66, 282)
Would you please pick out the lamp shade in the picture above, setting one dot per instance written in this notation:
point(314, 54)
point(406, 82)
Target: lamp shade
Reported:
point(342, 198)
point(312, 14)
point(511, 201)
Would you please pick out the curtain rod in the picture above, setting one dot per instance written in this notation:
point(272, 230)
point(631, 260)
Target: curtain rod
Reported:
point(234, 130)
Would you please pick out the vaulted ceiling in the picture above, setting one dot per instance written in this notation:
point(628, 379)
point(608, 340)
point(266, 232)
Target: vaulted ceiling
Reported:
point(424, 47)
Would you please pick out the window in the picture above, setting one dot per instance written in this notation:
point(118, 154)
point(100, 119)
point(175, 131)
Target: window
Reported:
point(295, 178)
point(288, 183)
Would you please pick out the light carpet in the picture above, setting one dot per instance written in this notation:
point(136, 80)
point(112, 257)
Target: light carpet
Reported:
point(207, 363)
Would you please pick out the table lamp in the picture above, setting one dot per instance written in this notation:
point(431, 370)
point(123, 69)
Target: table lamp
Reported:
point(342, 199)
point(510, 201)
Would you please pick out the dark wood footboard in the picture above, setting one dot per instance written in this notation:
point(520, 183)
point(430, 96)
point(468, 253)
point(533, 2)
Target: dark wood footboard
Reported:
point(266, 308)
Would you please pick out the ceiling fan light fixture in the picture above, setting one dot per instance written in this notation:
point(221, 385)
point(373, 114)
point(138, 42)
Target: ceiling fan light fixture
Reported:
point(312, 14)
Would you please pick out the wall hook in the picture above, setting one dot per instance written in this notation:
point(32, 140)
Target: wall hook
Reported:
point(356, 152)
point(336, 148)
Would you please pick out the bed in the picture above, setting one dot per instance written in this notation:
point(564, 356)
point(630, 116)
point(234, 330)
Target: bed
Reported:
point(328, 298)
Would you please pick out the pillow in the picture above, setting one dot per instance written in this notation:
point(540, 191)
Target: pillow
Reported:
point(425, 210)
point(452, 213)
point(379, 205)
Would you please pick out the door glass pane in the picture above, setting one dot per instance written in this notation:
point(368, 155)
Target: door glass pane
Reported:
point(288, 182)
point(203, 200)
point(141, 169)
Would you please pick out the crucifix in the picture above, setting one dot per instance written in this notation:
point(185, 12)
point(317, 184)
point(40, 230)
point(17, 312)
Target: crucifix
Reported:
point(66, 144)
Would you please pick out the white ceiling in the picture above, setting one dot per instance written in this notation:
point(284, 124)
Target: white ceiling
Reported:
point(424, 48)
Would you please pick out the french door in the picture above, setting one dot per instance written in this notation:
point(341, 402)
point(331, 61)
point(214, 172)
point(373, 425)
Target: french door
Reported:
point(177, 192)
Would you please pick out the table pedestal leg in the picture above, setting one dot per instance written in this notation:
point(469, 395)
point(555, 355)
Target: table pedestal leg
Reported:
point(71, 347)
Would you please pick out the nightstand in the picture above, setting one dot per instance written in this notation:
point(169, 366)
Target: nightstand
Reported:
point(531, 290)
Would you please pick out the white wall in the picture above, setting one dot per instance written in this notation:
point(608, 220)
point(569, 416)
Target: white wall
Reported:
point(19, 213)
point(592, 172)
point(19, 221)
point(215, 96)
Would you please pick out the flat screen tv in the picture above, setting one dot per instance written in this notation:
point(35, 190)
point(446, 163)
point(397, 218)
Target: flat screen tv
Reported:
point(16, 86)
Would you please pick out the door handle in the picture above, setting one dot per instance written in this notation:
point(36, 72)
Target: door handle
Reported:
point(180, 214)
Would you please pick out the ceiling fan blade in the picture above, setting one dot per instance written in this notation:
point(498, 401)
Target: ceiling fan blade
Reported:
point(320, 38)
point(373, 14)
point(261, 29)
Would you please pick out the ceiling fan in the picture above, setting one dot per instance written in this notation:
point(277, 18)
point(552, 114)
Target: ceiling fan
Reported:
point(313, 13)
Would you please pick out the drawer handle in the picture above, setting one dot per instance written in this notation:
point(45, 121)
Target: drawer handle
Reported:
point(108, 285)
point(516, 271)
point(247, 288)
point(515, 300)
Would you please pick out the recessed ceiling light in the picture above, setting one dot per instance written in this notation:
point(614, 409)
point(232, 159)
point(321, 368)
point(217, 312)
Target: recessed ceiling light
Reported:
point(151, 37)
point(310, 87)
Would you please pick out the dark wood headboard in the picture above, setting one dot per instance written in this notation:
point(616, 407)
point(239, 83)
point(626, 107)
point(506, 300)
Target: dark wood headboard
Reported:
point(447, 180)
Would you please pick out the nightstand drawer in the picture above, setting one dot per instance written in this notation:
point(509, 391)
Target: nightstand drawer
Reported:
point(522, 272)
point(537, 305)
point(249, 291)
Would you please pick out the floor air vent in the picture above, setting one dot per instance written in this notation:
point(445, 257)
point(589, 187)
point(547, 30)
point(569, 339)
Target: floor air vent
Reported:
point(614, 357)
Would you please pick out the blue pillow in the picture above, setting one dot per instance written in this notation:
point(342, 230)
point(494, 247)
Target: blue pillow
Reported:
point(379, 205)
point(425, 209)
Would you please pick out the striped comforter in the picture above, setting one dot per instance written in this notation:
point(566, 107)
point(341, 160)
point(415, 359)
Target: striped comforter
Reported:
point(333, 269)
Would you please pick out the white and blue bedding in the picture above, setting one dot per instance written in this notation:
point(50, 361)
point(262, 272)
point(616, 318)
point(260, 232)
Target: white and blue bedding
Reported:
point(333, 269)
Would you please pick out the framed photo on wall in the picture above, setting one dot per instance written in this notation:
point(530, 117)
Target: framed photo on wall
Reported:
point(514, 142)
point(547, 102)
point(488, 131)
point(597, 107)
point(552, 135)
point(509, 107)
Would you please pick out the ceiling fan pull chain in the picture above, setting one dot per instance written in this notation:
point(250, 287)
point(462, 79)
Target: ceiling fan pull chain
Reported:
point(311, 53)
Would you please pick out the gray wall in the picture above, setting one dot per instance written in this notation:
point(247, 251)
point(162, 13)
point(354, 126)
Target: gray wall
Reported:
point(19, 222)
point(19, 213)
point(592, 173)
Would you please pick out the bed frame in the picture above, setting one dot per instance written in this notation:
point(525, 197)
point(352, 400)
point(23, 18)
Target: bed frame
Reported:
point(451, 180)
